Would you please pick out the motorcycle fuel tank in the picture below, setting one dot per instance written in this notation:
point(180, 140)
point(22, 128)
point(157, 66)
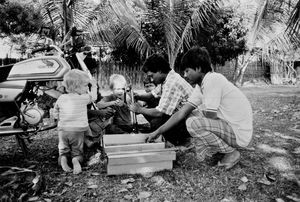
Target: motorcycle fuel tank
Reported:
point(39, 69)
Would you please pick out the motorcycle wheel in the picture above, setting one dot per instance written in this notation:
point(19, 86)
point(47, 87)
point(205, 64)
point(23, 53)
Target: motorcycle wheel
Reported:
point(22, 144)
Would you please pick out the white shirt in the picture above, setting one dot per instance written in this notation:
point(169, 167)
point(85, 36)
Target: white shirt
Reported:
point(219, 95)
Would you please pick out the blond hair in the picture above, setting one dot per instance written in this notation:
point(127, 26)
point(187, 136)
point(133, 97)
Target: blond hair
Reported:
point(74, 80)
point(116, 78)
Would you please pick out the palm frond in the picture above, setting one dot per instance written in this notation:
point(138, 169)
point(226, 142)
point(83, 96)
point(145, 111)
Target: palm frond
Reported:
point(124, 12)
point(201, 15)
point(52, 12)
point(133, 38)
point(270, 16)
point(258, 18)
point(167, 22)
point(280, 42)
point(178, 19)
point(293, 27)
point(108, 18)
point(100, 33)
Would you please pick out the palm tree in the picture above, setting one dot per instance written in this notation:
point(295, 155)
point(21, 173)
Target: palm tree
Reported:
point(61, 15)
point(177, 28)
point(293, 27)
point(115, 22)
point(102, 21)
point(266, 33)
point(264, 19)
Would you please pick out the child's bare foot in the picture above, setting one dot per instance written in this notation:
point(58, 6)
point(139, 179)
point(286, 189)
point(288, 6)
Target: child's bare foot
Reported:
point(76, 166)
point(64, 164)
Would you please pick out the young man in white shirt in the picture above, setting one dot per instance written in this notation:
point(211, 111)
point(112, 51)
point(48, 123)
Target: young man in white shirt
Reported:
point(218, 115)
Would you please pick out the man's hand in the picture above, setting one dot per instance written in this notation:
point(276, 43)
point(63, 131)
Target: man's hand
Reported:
point(152, 136)
point(135, 107)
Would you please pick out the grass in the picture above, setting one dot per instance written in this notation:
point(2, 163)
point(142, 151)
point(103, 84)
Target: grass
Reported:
point(190, 180)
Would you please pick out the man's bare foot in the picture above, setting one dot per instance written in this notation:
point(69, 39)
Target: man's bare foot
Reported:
point(64, 164)
point(230, 159)
point(76, 166)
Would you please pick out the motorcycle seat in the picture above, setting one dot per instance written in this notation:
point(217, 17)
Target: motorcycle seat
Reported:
point(4, 72)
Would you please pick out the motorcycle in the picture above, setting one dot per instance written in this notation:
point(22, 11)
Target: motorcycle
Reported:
point(28, 90)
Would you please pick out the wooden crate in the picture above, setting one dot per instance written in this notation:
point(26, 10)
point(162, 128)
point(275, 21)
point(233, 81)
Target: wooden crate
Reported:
point(129, 154)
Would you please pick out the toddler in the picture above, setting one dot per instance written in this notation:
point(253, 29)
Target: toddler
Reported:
point(71, 111)
point(118, 100)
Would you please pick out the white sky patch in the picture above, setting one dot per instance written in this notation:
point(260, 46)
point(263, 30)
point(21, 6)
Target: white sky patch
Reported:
point(6, 50)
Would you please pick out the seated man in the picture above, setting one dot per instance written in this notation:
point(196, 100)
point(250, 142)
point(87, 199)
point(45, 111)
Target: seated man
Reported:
point(218, 115)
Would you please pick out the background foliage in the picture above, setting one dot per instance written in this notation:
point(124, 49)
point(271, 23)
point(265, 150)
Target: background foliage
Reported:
point(19, 17)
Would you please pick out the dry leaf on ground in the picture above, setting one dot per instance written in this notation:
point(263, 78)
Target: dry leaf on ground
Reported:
point(242, 187)
point(144, 194)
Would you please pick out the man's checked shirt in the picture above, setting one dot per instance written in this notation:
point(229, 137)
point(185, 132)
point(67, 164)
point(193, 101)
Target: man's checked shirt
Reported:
point(175, 92)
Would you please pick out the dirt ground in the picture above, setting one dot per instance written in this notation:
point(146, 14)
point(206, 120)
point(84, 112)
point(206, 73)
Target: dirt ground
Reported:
point(268, 171)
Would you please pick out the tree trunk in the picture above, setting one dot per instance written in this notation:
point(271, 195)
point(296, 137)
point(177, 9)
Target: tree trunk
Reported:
point(236, 69)
point(298, 72)
point(214, 66)
point(276, 79)
point(68, 17)
point(240, 75)
point(65, 17)
point(241, 68)
point(276, 74)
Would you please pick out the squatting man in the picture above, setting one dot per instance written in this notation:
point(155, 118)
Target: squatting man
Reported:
point(217, 115)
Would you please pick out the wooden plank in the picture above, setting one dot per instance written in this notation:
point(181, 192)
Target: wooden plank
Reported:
point(140, 158)
point(143, 151)
point(139, 168)
point(123, 139)
point(129, 154)
point(134, 147)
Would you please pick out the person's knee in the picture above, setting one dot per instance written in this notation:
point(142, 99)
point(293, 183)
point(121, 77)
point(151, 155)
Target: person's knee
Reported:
point(195, 122)
point(190, 124)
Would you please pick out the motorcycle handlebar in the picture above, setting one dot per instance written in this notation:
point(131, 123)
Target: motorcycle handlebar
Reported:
point(48, 48)
point(40, 49)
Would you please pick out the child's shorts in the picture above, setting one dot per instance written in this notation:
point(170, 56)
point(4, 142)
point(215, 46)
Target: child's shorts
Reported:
point(71, 142)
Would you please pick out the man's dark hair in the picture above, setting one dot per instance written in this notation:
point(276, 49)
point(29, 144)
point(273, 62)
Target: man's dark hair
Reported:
point(197, 57)
point(156, 63)
point(147, 80)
